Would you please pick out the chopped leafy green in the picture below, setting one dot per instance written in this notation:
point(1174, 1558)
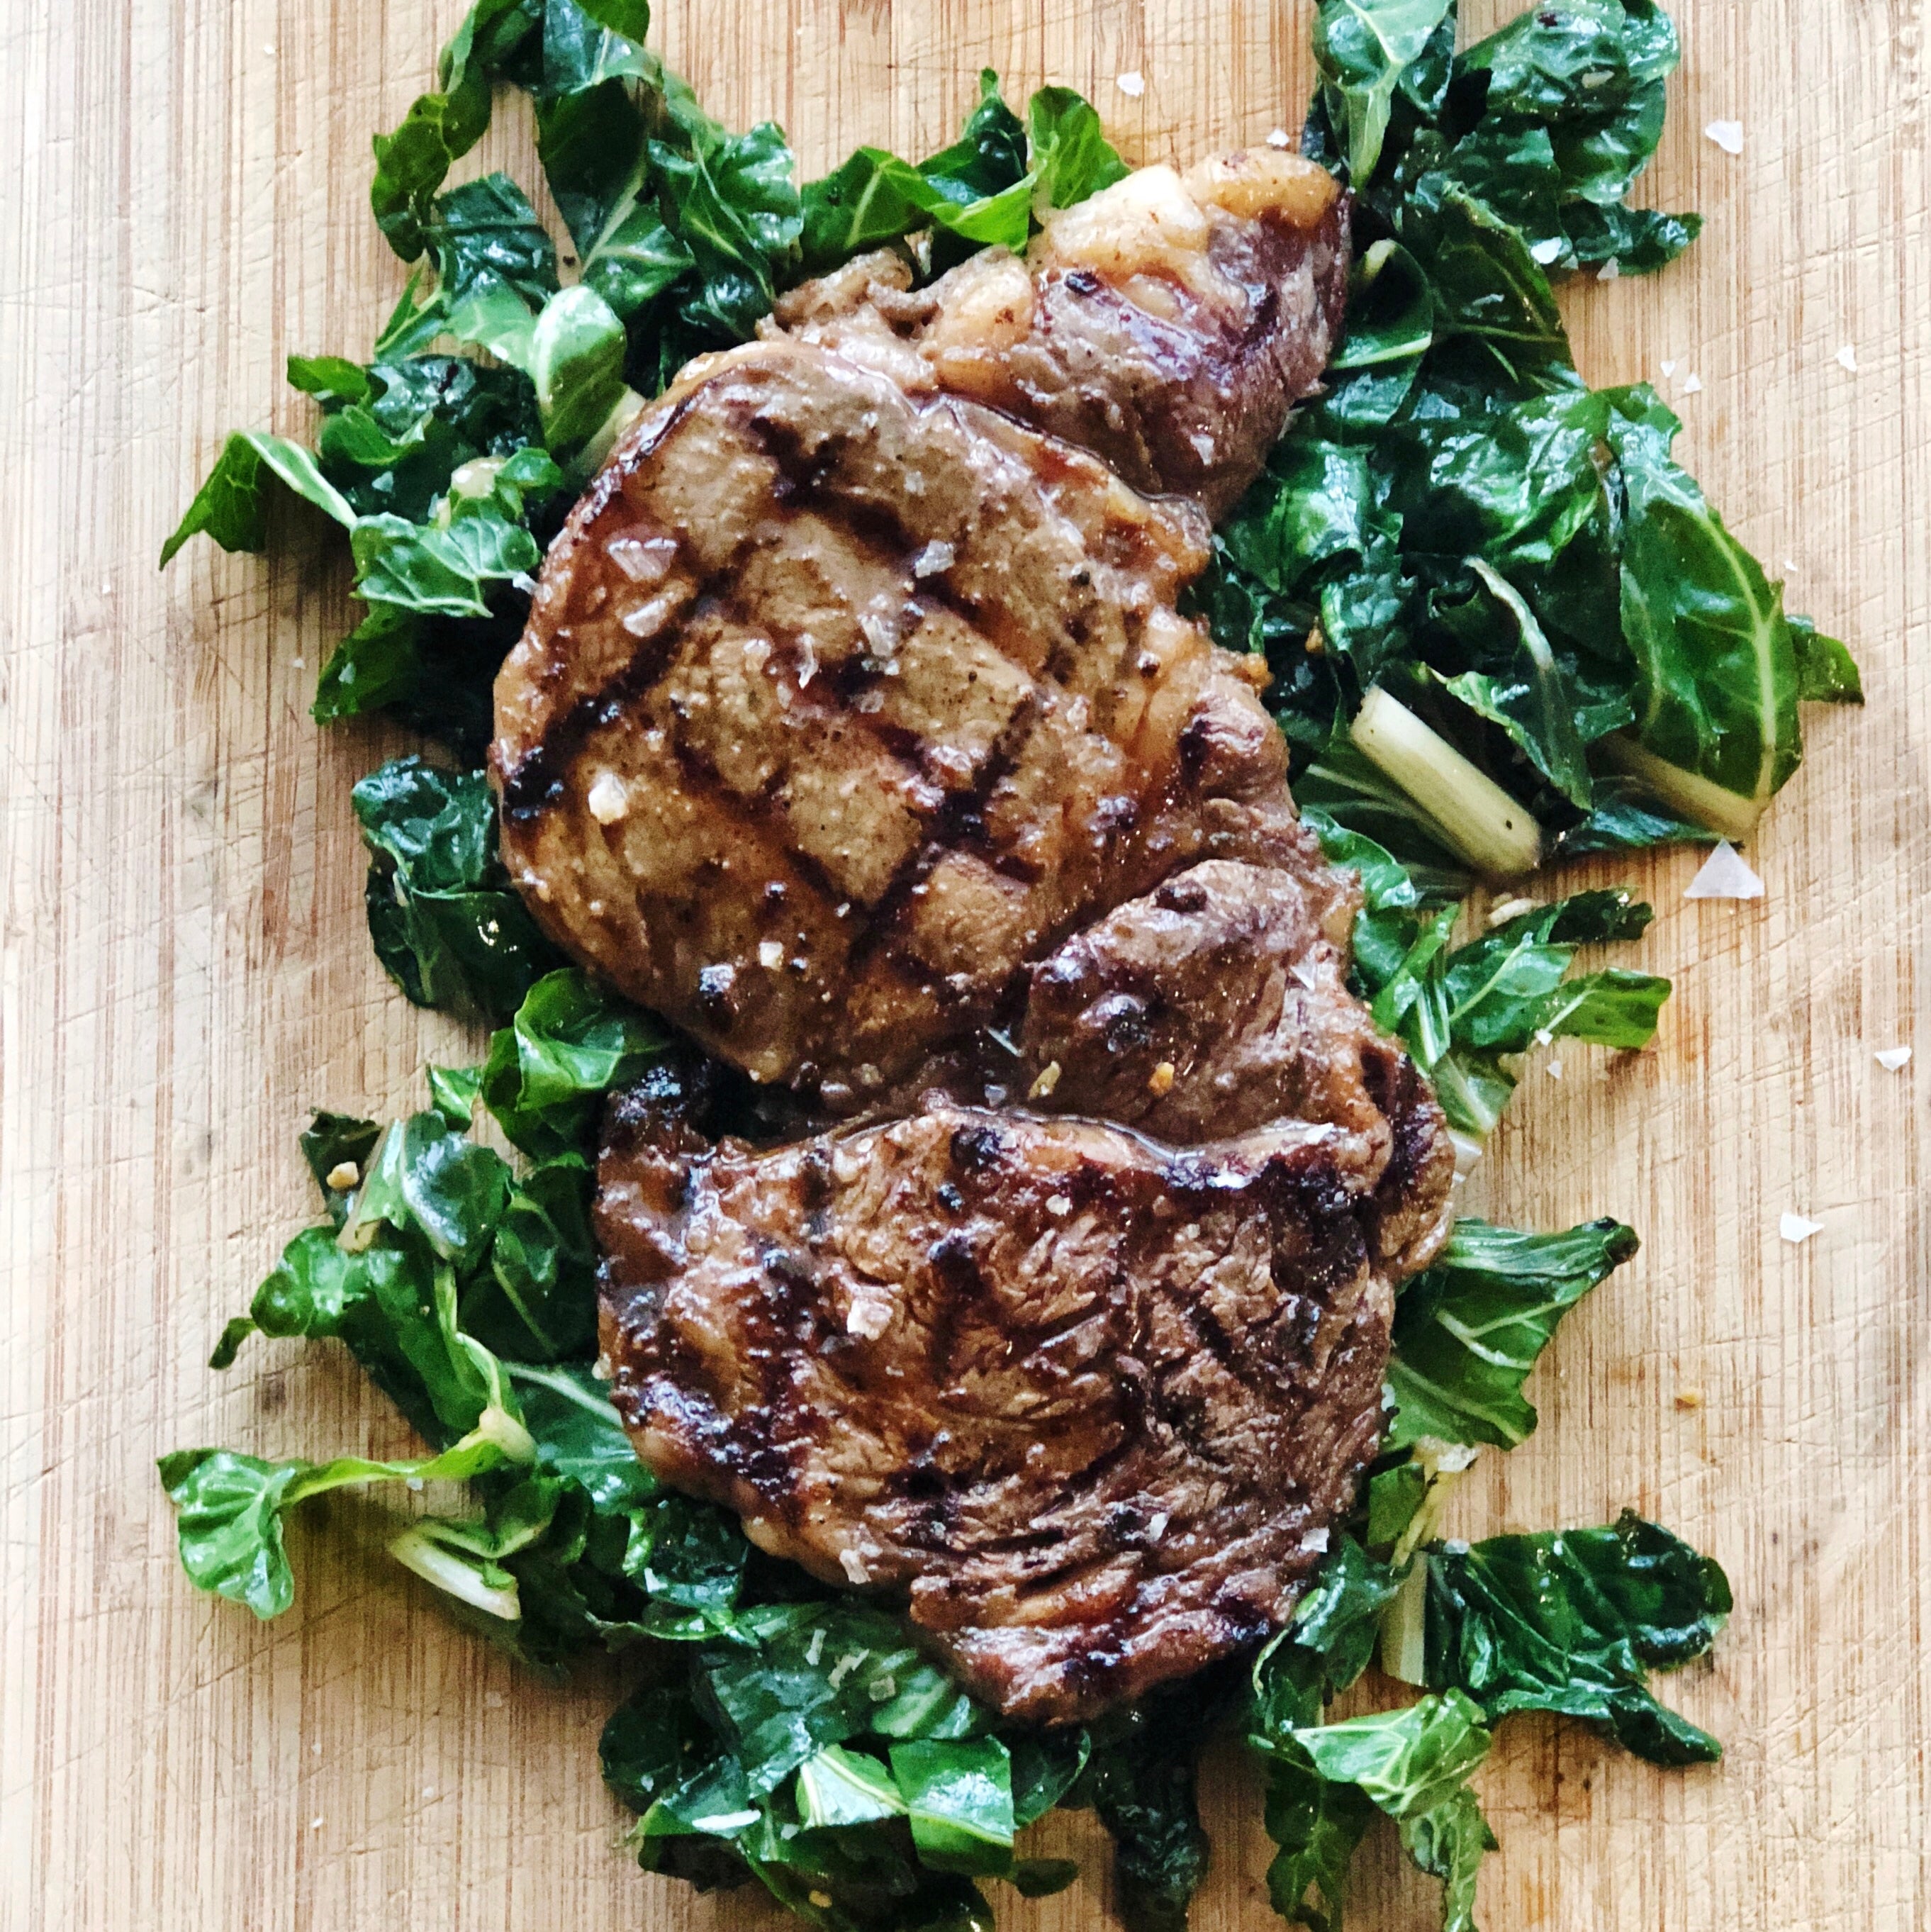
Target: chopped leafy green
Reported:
point(1469, 1328)
point(1366, 50)
point(985, 189)
point(1448, 1842)
point(1717, 669)
point(229, 505)
point(1317, 1824)
point(446, 925)
point(958, 1798)
point(1143, 1779)
point(1463, 1012)
point(440, 128)
point(1573, 1620)
point(231, 1506)
point(548, 1070)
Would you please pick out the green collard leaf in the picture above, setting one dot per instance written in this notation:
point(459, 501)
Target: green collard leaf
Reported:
point(1046, 1766)
point(991, 153)
point(1363, 49)
point(846, 1787)
point(875, 198)
point(377, 665)
point(733, 200)
point(330, 1142)
point(1143, 1780)
point(1394, 1497)
point(1042, 1878)
point(580, 1437)
point(1573, 1620)
point(803, 1675)
point(1717, 665)
point(1826, 673)
point(230, 507)
point(1449, 1842)
point(648, 1747)
point(958, 1798)
point(332, 380)
point(629, 18)
point(1324, 1649)
point(1622, 819)
point(977, 191)
point(690, 1556)
point(230, 1507)
point(1565, 107)
point(453, 1092)
point(583, 48)
point(576, 362)
point(426, 1181)
point(1523, 690)
point(485, 234)
point(1462, 1011)
point(537, 1301)
point(440, 572)
point(1405, 1762)
point(1490, 292)
point(1071, 159)
point(633, 258)
point(548, 1071)
point(440, 128)
point(1317, 1824)
point(234, 1332)
point(1470, 1327)
point(447, 926)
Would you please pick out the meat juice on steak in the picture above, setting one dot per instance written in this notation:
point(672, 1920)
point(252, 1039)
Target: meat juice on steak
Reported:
point(856, 729)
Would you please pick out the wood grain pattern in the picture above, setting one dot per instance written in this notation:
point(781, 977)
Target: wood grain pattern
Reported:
point(183, 972)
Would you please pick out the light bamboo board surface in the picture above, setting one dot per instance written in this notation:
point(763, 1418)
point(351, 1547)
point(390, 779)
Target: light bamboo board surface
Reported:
point(184, 972)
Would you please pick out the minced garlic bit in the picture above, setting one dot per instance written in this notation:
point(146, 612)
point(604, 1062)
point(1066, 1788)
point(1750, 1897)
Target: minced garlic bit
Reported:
point(1160, 1080)
point(1555, 1069)
point(608, 800)
point(1893, 1059)
point(1847, 357)
point(1059, 1206)
point(1049, 1078)
point(1280, 138)
point(1611, 271)
point(1692, 386)
point(770, 954)
point(1132, 85)
point(852, 1564)
point(1798, 1228)
point(1728, 135)
point(343, 1175)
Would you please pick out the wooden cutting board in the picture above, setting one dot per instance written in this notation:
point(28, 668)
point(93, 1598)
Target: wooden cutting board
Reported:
point(185, 974)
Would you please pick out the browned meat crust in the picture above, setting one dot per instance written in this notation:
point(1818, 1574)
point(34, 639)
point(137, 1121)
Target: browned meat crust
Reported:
point(1169, 324)
point(1091, 1402)
point(857, 730)
point(837, 707)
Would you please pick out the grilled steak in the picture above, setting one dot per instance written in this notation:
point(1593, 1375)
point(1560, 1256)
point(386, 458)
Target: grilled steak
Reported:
point(846, 697)
point(857, 729)
point(1167, 324)
point(1091, 1403)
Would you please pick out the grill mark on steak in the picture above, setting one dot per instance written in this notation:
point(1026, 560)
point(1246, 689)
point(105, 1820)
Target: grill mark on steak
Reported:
point(1083, 1386)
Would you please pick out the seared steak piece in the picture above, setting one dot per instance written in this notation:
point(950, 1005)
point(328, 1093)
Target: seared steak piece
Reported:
point(1091, 1402)
point(846, 698)
point(1168, 324)
point(856, 729)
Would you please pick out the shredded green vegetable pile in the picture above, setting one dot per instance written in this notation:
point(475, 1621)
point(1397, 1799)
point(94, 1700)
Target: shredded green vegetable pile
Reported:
point(1504, 625)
